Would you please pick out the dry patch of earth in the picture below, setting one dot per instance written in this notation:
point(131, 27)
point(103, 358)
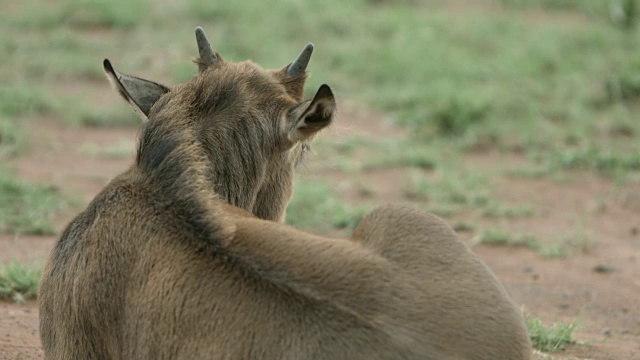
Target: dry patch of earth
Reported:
point(598, 284)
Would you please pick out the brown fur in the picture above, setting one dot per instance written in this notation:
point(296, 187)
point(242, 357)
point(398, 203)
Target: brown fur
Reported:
point(182, 257)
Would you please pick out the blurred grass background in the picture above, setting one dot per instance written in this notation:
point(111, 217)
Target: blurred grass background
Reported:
point(552, 85)
point(555, 82)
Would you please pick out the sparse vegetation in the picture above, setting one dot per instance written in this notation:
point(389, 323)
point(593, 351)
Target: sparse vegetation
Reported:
point(588, 7)
point(601, 160)
point(625, 85)
point(450, 192)
point(555, 83)
point(450, 187)
point(454, 115)
point(27, 208)
point(557, 247)
point(576, 78)
point(543, 99)
point(19, 282)
point(553, 338)
point(624, 13)
point(464, 226)
point(12, 136)
point(121, 149)
point(84, 14)
point(400, 154)
point(120, 117)
point(316, 206)
point(22, 99)
point(495, 236)
point(496, 210)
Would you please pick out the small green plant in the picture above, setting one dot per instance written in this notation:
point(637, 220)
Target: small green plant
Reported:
point(495, 236)
point(11, 137)
point(496, 210)
point(624, 13)
point(454, 115)
point(624, 86)
point(27, 208)
point(19, 282)
point(557, 250)
point(464, 226)
point(23, 99)
point(553, 338)
point(315, 206)
point(565, 245)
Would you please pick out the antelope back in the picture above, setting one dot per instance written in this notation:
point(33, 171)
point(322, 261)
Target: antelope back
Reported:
point(183, 256)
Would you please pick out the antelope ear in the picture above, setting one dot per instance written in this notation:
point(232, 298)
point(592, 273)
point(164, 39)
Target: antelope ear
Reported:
point(140, 93)
point(315, 117)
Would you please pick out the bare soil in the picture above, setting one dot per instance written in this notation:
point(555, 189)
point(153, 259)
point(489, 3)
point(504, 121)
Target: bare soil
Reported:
point(605, 215)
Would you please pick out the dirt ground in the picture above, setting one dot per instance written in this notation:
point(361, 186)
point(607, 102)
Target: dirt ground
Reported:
point(606, 303)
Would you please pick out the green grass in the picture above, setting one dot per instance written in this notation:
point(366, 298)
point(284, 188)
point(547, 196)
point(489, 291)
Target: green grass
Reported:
point(496, 210)
point(622, 13)
point(357, 154)
point(103, 13)
point(12, 136)
point(122, 116)
point(19, 282)
point(545, 84)
point(602, 160)
point(21, 99)
point(558, 247)
point(556, 81)
point(553, 338)
point(451, 191)
point(586, 6)
point(553, 80)
point(83, 14)
point(495, 236)
point(315, 206)
point(395, 154)
point(463, 226)
point(624, 85)
point(119, 150)
point(469, 189)
point(27, 208)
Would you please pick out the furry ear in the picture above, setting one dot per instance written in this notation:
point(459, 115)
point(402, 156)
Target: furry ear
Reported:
point(315, 117)
point(140, 93)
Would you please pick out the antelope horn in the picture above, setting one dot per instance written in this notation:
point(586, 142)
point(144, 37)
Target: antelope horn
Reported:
point(207, 55)
point(298, 67)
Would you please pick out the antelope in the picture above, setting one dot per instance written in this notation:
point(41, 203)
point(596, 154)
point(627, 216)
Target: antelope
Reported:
point(185, 255)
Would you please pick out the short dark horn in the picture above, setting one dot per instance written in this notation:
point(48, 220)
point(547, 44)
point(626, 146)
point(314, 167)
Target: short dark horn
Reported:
point(298, 67)
point(207, 55)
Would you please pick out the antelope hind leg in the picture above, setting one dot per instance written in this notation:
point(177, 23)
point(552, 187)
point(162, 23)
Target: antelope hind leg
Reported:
point(459, 303)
